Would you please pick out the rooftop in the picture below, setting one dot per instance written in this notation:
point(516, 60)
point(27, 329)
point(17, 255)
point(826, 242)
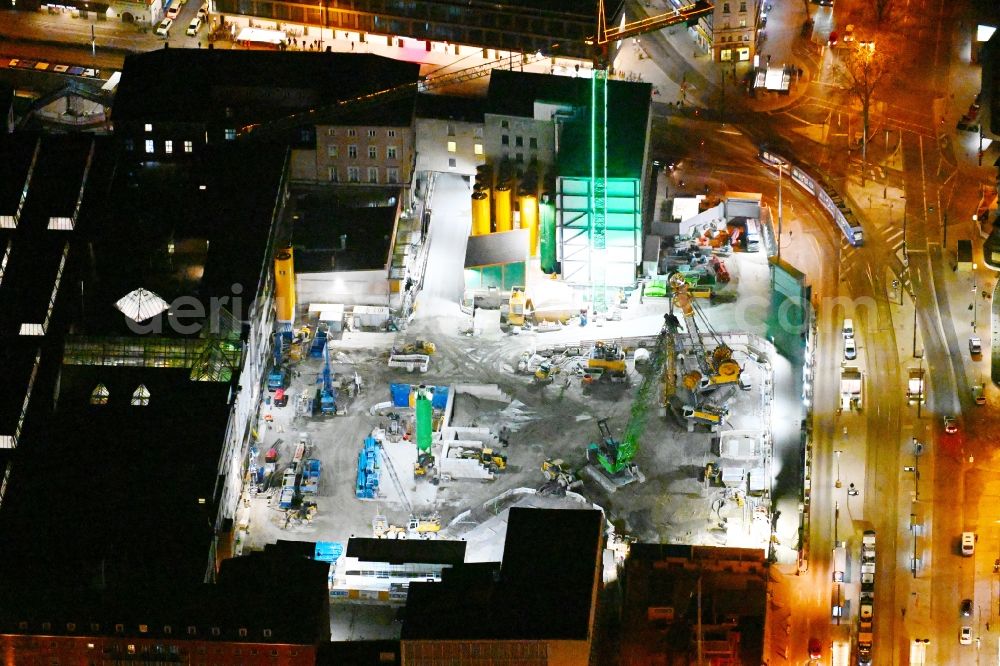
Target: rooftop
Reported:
point(515, 94)
point(347, 230)
point(400, 552)
point(451, 107)
point(540, 592)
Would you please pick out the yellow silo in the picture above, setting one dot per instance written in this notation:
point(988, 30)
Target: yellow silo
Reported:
point(504, 214)
point(528, 204)
point(480, 214)
point(284, 286)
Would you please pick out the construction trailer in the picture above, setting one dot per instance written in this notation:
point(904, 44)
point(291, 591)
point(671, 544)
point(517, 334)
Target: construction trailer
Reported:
point(369, 469)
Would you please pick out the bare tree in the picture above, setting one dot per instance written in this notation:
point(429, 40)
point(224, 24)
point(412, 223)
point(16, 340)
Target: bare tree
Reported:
point(863, 69)
point(880, 10)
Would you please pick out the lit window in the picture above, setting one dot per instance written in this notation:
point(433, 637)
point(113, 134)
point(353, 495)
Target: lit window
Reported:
point(230, 134)
point(192, 631)
point(452, 146)
point(353, 174)
point(188, 146)
point(391, 133)
point(140, 397)
point(149, 127)
point(331, 174)
point(331, 132)
point(143, 628)
point(371, 134)
point(243, 632)
point(372, 174)
point(390, 153)
point(452, 163)
point(392, 175)
point(352, 132)
point(477, 148)
point(150, 146)
point(168, 147)
point(332, 151)
point(372, 152)
point(100, 395)
point(131, 648)
point(352, 152)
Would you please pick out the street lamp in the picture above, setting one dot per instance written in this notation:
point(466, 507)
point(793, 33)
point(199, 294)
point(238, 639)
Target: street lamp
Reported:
point(975, 301)
point(838, 484)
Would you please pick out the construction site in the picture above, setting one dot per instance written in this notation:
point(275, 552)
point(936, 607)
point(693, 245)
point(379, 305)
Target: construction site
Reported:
point(658, 412)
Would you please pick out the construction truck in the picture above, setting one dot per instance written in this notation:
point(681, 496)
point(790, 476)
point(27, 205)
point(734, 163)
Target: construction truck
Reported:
point(494, 461)
point(716, 368)
point(607, 357)
point(424, 465)
point(277, 378)
point(559, 478)
point(514, 312)
point(326, 394)
point(419, 347)
point(915, 385)
point(545, 372)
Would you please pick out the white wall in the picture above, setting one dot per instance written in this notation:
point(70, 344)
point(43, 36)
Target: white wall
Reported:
point(432, 137)
point(347, 287)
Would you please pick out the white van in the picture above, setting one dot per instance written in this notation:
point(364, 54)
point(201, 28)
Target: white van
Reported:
point(848, 328)
point(968, 544)
point(194, 26)
point(839, 562)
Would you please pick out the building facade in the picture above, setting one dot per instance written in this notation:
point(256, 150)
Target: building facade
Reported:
point(365, 154)
point(734, 30)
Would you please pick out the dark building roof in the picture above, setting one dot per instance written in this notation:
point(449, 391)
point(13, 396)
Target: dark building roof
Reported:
point(118, 494)
point(451, 107)
point(287, 596)
point(348, 230)
point(400, 552)
point(200, 85)
point(196, 232)
point(544, 591)
point(515, 93)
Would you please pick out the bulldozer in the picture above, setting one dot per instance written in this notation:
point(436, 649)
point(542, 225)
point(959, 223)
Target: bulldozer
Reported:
point(492, 460)
point(558, 477)
point(423, 466)
point(544, 373)
point(418, 347)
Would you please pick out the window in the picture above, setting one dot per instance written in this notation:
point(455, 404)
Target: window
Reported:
point(352, 152)
point(477, 132)
point(230, 134)
point(143, 628)
point(188, 146)
point(94, 626)
point(371, 134)
point(391, 133)
point(725, 7)
point(352, 132)
point(100, 395)
point(451, 129)
point(532, 142)
point(743, 7)
point(192, 631)
point(46, 626)
point(168, 147)
point(519, 141)
point(70, 626)
point(168, 629)
point(743, 23)
point(150, 146)
point(129, 145)
point(331, 174)
point(519, 158)
point(372, 174)
point(215, 631)
point(140, 397)
point(392, 175)
point(332, 151)
point(504, 124)
point(452, 147)
point(131, 648)
point(331, 132)
point(477, 148)
point(390, 153)
point(504, 140)
point(452, 163)
point(372, 152)
point(120, 628)
point(353, 174)
point(274, 653)
point(267, 633)
point(149, 127)
point(243, 631)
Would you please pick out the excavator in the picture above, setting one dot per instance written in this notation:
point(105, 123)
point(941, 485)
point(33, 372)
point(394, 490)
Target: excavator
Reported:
point(612, 456)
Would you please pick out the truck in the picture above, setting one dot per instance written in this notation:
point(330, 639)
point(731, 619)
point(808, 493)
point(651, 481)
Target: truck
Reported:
point(915, 391)
point(865, 642)
point(850, 387)
point(310, 476)
point(868, 546)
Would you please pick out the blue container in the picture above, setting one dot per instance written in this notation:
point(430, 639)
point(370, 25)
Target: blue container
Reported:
point(440, 399)
point(400, 395)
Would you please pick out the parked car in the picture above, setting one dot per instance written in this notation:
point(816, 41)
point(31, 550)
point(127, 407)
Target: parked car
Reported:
point(173, 11)
point(966, 608)
point(203, 12)
point(815, 649)
point(975, 346)
point(965, 636)
point(950, 425)
point(979, 394)
point(164, 28)
point(850, 349)
point(194, 27)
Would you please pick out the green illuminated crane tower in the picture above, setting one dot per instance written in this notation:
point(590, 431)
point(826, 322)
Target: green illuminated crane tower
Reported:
point(599, 130)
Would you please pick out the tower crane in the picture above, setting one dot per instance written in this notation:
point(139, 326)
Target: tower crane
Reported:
point(599, 129)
